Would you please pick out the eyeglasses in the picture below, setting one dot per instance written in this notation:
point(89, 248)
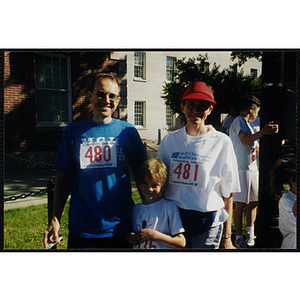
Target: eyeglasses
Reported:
point(102, 95)
point(203, 105)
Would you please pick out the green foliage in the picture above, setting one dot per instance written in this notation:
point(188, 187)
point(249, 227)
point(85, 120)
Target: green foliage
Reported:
point(243, 56)
point(229, 85)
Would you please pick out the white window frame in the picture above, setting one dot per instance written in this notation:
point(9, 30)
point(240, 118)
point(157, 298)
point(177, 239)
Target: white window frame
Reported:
point(143, 114)
point(170, 69)
point(142, 65)
point(253, 72)
point(170, 116)
point(67, 90)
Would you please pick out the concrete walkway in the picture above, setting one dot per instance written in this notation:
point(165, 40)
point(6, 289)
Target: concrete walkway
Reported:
point(25, 182)
point(18, 183)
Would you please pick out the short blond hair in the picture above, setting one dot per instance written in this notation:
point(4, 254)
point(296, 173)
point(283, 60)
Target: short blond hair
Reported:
point(153, 169)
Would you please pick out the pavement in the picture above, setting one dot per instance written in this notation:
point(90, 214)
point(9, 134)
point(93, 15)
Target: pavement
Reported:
point(26, 182)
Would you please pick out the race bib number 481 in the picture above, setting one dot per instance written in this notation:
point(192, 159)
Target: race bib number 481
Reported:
point(101, 154)
point(189, 173)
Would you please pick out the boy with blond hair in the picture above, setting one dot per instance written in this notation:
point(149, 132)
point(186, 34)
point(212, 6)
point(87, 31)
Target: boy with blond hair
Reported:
point(156, 221)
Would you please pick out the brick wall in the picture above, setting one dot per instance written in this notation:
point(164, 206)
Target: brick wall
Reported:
point(21, 134)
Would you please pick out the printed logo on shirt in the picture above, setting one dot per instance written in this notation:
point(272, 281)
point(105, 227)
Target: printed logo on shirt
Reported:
point(101, 153)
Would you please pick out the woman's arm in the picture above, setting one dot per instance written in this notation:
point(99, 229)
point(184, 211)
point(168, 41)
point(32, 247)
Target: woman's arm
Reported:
point(226, 236)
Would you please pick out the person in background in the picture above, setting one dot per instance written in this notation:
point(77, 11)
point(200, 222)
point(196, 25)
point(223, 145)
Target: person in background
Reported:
point(283, 186)
point(156, 221)
point(228, 120)
point(245, 144)
point(203, 173)
point(92, 160)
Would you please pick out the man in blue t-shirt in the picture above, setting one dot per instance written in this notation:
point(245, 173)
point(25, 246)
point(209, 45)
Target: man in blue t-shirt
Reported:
point(92, 162)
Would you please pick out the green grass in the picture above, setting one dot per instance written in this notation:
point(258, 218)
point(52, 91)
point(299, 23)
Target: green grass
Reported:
point(24, 227)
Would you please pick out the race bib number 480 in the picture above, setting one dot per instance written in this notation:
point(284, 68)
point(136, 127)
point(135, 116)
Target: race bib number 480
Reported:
point(101, 154)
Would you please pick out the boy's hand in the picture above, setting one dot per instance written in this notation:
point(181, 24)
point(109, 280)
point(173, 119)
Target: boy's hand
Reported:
point(132, 238)
point(146, 235)
point(271, 128)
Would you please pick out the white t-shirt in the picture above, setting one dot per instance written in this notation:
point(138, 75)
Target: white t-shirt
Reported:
point(201, 169)
point(246, 155)
point(287, 220)
point(162, 216)
point(255, 124)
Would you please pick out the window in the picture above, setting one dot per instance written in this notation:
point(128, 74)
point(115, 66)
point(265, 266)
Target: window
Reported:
point(206, 66)
point(139, 113)
point(139, 65)
point(253, 73)
point(169, 117)
point(53, 97)
point(170, 68)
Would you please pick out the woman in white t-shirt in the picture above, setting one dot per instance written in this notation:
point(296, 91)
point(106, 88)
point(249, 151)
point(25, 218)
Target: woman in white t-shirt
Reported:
point(202, 171)
point(283, 176)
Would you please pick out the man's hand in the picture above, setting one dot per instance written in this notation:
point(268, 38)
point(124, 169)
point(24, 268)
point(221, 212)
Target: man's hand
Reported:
point(51, 234)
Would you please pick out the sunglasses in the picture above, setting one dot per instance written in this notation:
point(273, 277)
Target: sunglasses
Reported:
point(102, 95)
point(202, 105)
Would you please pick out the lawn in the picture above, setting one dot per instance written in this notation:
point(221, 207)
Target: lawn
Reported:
point(24, 227)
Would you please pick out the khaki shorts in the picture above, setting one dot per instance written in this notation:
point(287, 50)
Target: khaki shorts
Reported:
point(249, 187)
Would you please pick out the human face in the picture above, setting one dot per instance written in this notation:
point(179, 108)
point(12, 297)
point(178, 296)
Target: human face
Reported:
point(253, 113)
point(196, 111)
point(151, 191)
point(104, 106)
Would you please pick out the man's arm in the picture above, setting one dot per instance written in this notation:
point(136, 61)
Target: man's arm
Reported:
point(62, 188)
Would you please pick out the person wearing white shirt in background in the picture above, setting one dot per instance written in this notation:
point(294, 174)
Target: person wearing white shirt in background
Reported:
point(284, 186)
point(245, 144)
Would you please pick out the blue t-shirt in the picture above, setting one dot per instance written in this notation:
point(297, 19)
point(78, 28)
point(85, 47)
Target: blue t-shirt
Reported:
point(99, 156)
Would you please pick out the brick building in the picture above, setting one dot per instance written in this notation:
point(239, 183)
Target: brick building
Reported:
point(43, 92)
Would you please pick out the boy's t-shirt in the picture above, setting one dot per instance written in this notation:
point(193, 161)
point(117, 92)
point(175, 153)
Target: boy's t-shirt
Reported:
point(99, 155)
point(162, 216)
point(246, 155)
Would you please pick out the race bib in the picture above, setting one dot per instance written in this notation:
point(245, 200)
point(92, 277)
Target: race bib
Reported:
point(100, 154)
point(188, 173)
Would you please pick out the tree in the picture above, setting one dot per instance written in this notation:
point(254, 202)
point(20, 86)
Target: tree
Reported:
point(243, 56)
point(229, 85)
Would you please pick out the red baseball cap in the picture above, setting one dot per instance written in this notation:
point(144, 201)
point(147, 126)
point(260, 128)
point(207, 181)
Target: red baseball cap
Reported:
point(199, 91)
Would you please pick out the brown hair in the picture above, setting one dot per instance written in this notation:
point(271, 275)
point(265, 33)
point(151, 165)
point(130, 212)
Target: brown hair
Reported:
point(153, 169)
point(280, 176)
point(248, 101)
point(103, 76)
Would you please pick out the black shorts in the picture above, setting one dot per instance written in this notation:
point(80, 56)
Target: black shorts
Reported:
point(116, 242)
